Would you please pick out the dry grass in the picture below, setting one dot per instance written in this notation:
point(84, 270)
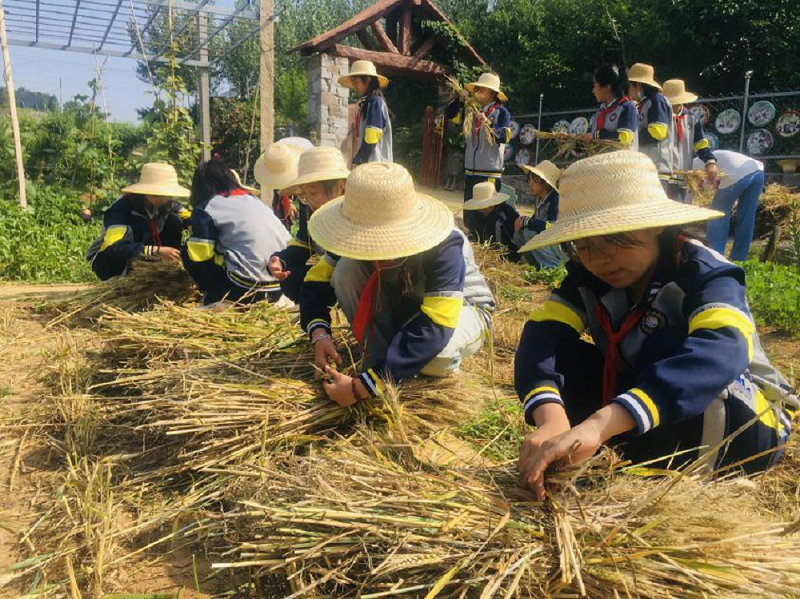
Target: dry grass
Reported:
point(781, 204)
point(472, 109)
point(568, 143)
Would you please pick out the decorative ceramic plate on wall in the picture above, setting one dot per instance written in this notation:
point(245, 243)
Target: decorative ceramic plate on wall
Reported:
point(514, 129)
point(561, 127)
point(508, 153)
point(788, 124)
point(527, 135)
point(713, 140)
point(728, 121)
point(579, 126)
point(759, 142)
point(701, 112)
point(523, 157)
point(761, 113)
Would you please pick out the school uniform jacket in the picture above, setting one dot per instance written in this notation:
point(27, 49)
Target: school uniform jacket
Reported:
point(238, 233)
point(620, 123)
point(689, 141)
point(480, 157)
point(546, 212)
point(447, 278)
point(656, 131)
point(696, 342)
point(130, 230)
point(374, 131)
point(498, 226)
point(296, 255)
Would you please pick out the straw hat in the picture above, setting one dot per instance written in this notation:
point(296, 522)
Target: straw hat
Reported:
point(380, 217)
point(299, 142)
point(643, 73)
point(675, 92)
point(489, 81)
point(612, 193)
point(277, 167)
point(362, 68)
point(317, 164)
point(251, 190)
point(546, 170)
point(484, 195)
point(158, 179)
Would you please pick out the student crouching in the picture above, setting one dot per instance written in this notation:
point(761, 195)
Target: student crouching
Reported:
point(676, 364)
point(144, 221)
point(495, 219)
point(273, 170)
point(405, 278)
point(542, 181)
point(233, 236)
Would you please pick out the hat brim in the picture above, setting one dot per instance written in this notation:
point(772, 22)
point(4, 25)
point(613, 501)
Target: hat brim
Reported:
point(153, 189)
point(426, 227)
point(494, 200)
point(620, 219)
point(539, 173)
point(470, 87)
point(684, 98)
point(646, 81)
point(269, 180)
point(293, 187)
point(347, 80)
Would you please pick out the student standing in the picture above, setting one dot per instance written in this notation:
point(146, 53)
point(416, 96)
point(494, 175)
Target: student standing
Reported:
point(483, 158)
point(542, 181)
point(405, 278)
point(373, 123)
point(675, 364)
point(144, 221)
point(617, 118)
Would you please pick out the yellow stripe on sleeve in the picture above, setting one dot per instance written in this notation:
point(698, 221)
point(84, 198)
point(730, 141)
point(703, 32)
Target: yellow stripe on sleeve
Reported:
point(718, 318)
point(321, 272)
point(648, 403)
point(457, 119)
point(554, 311)
point(625, 137)
point(701, 145)
point(294, 242)
point(443, 311)
point(200, 251)
point(113, 235)
point(372, 135)
point(658, 131)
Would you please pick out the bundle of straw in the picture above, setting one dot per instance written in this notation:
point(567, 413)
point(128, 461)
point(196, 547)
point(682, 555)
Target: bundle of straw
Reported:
point(472, 111)
point(781, 204)
point(147, 281)
point(568, 143)
point(694, 181)
point(354, 523)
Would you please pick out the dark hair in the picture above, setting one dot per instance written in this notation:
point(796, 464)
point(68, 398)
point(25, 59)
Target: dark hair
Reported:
point(649, 90)
point(616, 77)
point(373, 89)
point(330, 185)
point(667, 242)
point(211, 178)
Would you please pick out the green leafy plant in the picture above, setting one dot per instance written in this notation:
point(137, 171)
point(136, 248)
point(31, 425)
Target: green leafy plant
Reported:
point(773, 292)
point(551, 277)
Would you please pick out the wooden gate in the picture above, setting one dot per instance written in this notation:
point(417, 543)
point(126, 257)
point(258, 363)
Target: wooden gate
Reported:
point(432, 148)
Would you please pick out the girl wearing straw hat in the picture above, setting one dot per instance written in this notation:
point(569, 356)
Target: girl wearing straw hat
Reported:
point(656, 127)
point(542, 181)
point(145, 221)
point(233, 236)
point(617, 118)
point(274, 169)
point(405, 278)
point(373, 123)
point(676, 364)
point(690, 139)
point(483, 159)
point(320, 177)
point(496, 218)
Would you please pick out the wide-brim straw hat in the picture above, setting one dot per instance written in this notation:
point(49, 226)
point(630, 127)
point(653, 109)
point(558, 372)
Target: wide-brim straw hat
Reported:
point(643, 73)
point(484, 195)
point(610, 193)
point(317, 164)
point(381, 216)
point(489, 81)
point(247, 188)
point(362, 68)
point(545, 170)
point(158, 179)
point(675, 92)
point(276, 168)
point(298, 142)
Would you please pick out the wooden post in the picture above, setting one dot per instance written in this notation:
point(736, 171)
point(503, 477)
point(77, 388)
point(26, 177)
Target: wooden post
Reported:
point(12, 107)
point(267, 75)
point(203, 89)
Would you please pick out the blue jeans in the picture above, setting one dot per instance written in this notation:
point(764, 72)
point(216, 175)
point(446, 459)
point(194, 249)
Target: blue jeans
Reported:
point(747, 191)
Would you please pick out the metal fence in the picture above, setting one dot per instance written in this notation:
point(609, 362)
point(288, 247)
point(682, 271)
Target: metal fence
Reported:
point(765, 126)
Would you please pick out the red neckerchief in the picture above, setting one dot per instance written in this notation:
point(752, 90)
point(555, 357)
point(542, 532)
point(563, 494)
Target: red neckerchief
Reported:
point(235, 192)
point(366, 304)
point(478, 122)
point(156, 237)
point(679, 118)
point(615, 338)
point(603, 112)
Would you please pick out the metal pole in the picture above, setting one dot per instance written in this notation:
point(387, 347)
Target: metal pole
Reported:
point(538, 128)
point(747, 76)
point(12, 107)
point(267, 74)
point(203, 91)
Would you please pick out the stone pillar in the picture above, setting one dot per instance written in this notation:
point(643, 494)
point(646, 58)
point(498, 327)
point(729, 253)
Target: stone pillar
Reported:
point(328, 101)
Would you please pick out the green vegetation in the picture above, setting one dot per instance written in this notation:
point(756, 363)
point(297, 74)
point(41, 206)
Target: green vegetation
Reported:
point(773, 292)
point(497, 431)
point(551, 277)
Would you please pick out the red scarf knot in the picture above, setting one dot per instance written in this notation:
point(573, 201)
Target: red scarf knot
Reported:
point(614, 339)
point(600, 121)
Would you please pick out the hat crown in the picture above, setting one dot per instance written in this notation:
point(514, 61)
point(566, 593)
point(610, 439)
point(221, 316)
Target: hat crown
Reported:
point(483, 191)
point(489, 80)
point(363, 66)
point(280, 157)
point(674, 87)
point(158, 173)
point(642, 70)
point(379, 194)
point(319, 159)
point(609, 180)
point(550, 171)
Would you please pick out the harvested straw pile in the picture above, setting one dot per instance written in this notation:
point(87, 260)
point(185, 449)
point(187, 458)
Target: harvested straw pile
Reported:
point(146, 282)
point(354, 522)
point(472, 109)
point(568, 143)
point(780, 204)
point(694, 181)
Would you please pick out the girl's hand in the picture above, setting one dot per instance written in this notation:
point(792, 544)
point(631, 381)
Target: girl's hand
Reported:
point(292, 212)
point(586, 137)
point(275, 267)
point(533, 443)
point(519, 223)
point(324, 349)
point(463, 94)
point(168, 254)
point(340, 389)
point(711, 173)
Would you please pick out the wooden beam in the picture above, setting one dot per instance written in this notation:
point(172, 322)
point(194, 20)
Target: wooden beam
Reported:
point(425, 48)
point(384, 40)
point(363, 19)
point(435, 13)
point(394, 64)
point(391, 26)
point(366, 40)
point(405, 32)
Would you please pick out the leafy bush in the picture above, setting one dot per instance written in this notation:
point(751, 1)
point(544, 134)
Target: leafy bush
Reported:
point(773, 291)
point(551, 277)
point(47, 241)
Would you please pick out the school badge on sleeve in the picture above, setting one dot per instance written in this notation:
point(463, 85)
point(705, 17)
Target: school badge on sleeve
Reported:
point(653, 321)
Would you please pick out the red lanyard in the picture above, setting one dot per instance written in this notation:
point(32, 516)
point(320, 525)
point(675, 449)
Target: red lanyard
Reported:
point(478, 123)
point(600, 121)
point(156, 238)
point(679, 124)
point(614, 339)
